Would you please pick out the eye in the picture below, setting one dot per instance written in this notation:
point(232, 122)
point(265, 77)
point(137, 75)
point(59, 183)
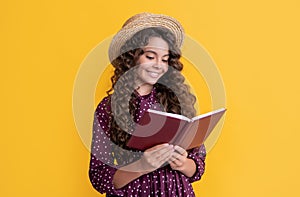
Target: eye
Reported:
point(165, 61)
point(149, 57)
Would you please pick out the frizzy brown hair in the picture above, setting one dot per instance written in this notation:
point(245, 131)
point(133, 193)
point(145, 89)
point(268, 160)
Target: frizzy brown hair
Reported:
point(173, 95)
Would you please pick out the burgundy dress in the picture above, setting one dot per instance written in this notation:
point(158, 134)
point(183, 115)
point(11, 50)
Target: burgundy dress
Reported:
point(161, 182)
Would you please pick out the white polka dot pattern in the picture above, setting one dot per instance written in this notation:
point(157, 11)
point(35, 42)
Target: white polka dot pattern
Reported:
point(161, 182)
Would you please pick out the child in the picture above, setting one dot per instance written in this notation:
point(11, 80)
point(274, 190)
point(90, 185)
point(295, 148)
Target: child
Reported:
point(145, 54)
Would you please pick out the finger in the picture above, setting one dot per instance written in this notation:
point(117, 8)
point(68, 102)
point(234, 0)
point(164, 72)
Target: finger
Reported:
point(173, 165)
point(157, 147)
point(158, 157)
point(165, 155)
point(176, 162)
point(162, 151)
point(172, 161)
point(172, 158)
point(178, 156)
point(180, 150)
point(177, 159)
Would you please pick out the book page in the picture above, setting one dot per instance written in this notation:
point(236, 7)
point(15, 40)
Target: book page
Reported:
point(196, 132)
point(178, 116)
point(208, 114)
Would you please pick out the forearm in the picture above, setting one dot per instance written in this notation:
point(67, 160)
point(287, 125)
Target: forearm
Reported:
point(189, 168)
point(152, 159)
point(198, 155)
point(128, 173)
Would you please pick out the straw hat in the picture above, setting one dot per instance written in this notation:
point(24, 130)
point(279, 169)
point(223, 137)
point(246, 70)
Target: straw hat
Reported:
point(142, 21)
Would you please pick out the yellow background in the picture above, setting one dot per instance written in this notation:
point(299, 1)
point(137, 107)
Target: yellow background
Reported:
point(254, 43)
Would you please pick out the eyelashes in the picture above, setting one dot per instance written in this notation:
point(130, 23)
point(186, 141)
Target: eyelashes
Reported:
point(152, 57)
point(149, 57)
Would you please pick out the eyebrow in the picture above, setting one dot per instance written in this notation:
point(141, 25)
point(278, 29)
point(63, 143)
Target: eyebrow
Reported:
point(155, 53)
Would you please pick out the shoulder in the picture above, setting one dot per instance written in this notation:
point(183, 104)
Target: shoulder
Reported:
point(103, 108)
point(104, 103)
point(102, 115)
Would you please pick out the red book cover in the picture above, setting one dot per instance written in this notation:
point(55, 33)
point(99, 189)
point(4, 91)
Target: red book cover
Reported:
point(156, 127)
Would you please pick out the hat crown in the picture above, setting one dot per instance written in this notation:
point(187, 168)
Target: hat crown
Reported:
point(142, 21)
point(136, 17)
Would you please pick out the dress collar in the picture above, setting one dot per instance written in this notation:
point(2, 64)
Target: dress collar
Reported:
point(143, 97)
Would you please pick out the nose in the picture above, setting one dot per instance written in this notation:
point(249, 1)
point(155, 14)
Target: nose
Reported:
point(158, 64)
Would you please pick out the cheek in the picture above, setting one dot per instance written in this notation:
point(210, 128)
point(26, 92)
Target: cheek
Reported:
point(141, 60)
point(140, 69)
point(166, 67)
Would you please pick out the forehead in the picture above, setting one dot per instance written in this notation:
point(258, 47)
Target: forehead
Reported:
point(157, 44)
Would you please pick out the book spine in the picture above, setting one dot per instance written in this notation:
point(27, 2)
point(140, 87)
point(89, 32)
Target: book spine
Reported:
point(180, 137)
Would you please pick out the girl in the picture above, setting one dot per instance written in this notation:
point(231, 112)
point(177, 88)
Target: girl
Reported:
point(145, 54)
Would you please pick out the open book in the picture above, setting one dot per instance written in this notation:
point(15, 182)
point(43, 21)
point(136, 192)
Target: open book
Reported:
point(156, 127)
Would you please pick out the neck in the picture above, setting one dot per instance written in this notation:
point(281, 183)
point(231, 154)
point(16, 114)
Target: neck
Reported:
point(144, 89)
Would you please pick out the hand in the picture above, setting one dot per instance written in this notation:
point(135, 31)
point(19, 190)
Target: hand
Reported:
point(178, 159)
point(156, 156)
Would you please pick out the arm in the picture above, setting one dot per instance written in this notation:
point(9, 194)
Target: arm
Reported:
point(102, 167)
point(180, 162)
point(103, 173)
point(191, 164)
point(152, 159)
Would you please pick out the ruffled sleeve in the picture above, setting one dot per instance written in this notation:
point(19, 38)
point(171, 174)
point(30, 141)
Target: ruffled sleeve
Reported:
point(198, 155)
point(102, 167)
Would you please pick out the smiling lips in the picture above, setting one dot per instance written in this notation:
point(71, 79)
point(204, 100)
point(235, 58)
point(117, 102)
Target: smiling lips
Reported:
point(153, 74)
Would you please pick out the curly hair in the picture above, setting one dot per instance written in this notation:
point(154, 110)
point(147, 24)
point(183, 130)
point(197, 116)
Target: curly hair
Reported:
point(173, 95)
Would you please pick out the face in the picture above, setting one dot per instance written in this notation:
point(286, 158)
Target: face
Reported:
point(152, 64)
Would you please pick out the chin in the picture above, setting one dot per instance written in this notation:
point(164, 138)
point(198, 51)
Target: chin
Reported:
point(152, 82)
